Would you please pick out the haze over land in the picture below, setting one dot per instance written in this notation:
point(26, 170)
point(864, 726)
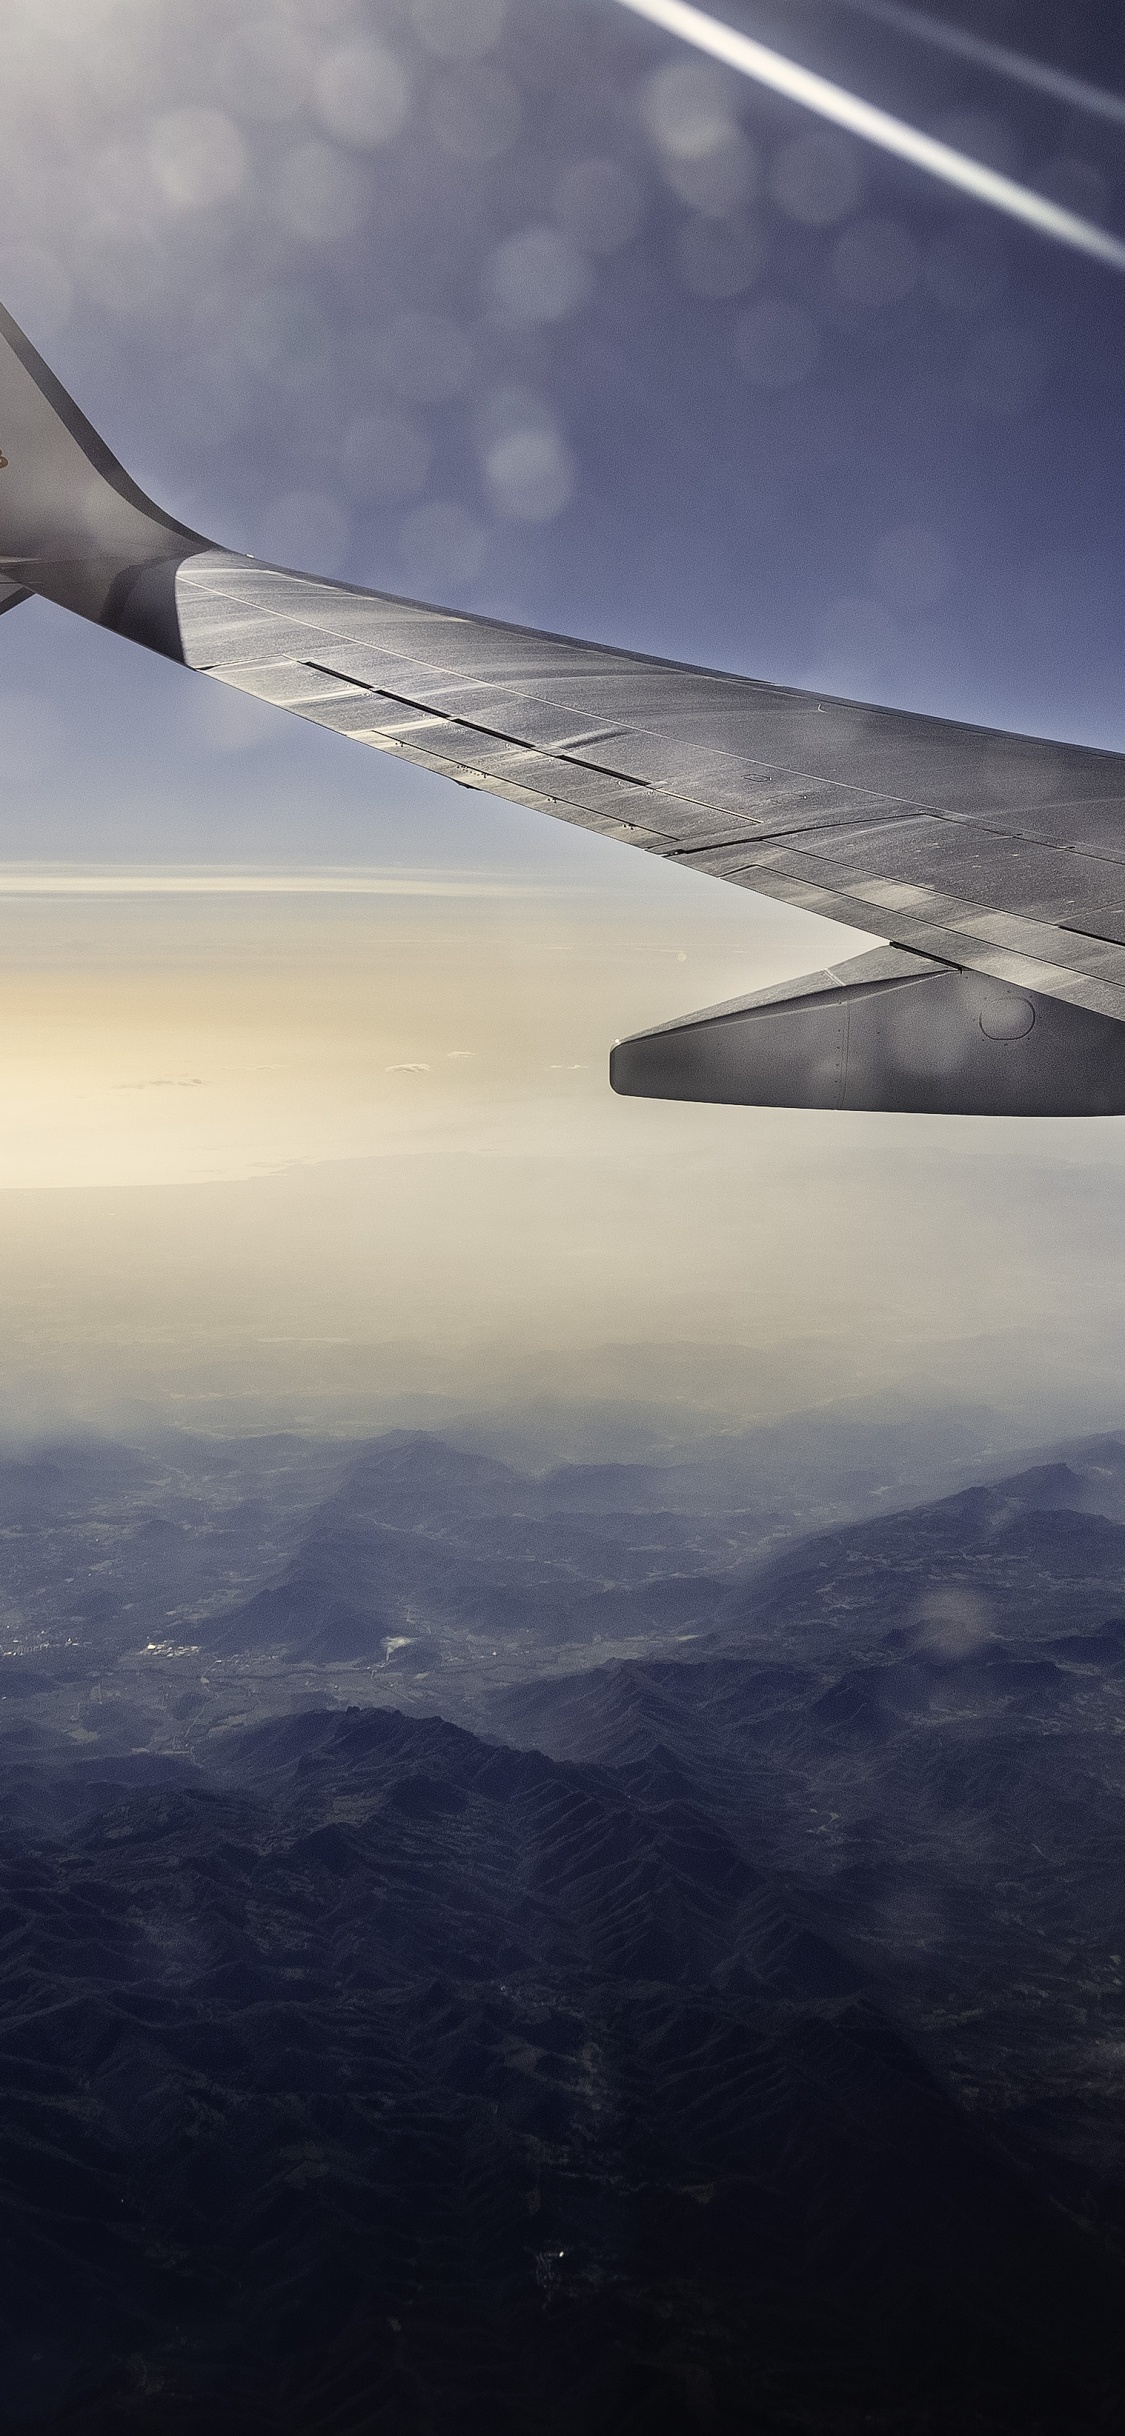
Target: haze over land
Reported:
point(319, 1159)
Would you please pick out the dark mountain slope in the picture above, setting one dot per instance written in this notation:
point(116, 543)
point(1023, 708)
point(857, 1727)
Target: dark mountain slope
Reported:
point(1036, 1551)
point(922, 1719)
point(395, 2081)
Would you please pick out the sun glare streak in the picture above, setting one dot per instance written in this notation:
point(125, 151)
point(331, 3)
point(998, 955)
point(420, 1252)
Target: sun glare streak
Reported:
point(874, 126)
point(1074, 92)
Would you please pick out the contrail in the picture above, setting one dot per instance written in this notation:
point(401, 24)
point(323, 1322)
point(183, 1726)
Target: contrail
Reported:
point(1073, 91)
point(895, 135)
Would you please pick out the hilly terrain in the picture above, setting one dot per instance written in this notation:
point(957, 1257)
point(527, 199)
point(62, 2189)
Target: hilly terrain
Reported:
point(149, 1597)
point(484, 1950)
point(386, 2078)
point(925, 1718)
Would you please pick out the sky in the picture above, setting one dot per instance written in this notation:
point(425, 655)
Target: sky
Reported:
point(528, 307)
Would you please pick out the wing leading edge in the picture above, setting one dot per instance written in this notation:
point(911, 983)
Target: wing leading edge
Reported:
point(971, 851)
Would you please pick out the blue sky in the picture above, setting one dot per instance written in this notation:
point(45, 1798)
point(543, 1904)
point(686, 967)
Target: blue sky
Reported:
point(587, 330)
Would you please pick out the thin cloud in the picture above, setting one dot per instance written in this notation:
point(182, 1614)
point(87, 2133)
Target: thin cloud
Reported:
point(1074, 92)
point(34, 881)
point(895, 135)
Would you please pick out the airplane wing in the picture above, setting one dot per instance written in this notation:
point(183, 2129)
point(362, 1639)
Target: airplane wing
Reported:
point(993, 865)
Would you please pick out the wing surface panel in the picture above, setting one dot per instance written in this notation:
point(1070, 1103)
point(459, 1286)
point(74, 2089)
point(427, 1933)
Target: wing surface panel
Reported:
point(1000, 853)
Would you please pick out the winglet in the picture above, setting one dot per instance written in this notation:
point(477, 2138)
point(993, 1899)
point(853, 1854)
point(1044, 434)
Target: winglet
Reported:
point(73, 524)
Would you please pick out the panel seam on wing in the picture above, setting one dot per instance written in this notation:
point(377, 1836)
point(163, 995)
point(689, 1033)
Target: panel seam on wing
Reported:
point(476, 727)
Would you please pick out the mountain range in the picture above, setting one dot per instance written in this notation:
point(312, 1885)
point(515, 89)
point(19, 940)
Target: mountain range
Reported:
point(714, 2019)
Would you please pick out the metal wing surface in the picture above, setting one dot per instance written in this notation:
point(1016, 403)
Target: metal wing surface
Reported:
point(995, 858)
point(999, 853)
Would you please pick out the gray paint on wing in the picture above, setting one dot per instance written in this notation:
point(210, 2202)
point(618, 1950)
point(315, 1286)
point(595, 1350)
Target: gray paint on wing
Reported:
point(888, 1031)
point(997, 855)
